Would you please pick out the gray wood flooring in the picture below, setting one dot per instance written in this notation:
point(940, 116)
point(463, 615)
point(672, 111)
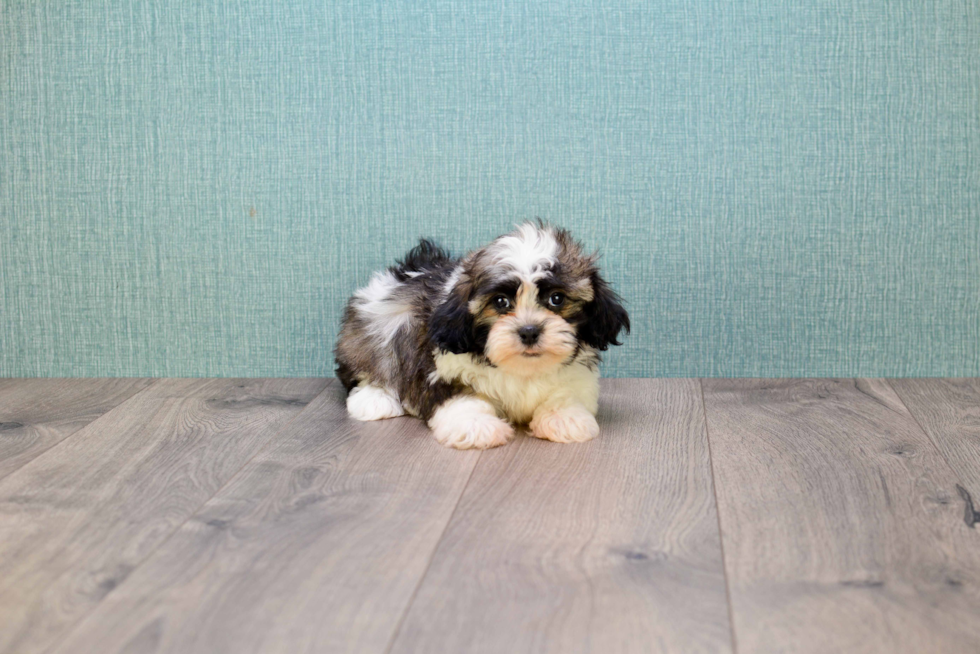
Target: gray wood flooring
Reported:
point(212, 516)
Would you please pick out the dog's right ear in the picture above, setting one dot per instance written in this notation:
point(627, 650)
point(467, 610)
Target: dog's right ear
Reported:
point(605, 316)
point(451, 324)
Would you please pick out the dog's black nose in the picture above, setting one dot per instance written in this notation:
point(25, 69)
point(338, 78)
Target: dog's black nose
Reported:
point(529, 334)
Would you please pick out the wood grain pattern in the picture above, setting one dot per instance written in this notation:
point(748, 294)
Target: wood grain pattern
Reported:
point(949, 411)
point(36, 414)
point(75, 521)
point(842, 526)
point(316, 546)
point(610, 546)
point(840, 521)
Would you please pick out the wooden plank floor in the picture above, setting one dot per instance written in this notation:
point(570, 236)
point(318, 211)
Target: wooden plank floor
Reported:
point(710, 516)
point(36, 414)
point(611, 546)
point(840, 521)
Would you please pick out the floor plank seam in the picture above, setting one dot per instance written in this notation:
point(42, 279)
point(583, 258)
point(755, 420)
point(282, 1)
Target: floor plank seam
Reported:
point(721, 537)
point(80, 428)
point(432, 556)
point(78, 623)
point(931, 440)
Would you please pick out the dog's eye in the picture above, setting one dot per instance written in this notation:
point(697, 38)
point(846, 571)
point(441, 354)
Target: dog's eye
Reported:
point(556, 300)
point(501, 302)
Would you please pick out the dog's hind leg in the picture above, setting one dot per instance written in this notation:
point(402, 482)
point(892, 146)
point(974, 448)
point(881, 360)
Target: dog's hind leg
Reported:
point(370, 402)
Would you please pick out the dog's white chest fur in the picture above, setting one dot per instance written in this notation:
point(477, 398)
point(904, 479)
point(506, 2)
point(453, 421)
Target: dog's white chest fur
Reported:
point(518, 397)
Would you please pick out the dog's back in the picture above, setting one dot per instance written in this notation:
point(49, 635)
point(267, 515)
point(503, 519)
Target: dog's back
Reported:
point(382, 336)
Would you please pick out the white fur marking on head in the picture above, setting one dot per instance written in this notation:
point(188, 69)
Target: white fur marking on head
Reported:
point(383, 314)
point(371, 402)
point(529, 251)
point(466, 422)
point(452, 281)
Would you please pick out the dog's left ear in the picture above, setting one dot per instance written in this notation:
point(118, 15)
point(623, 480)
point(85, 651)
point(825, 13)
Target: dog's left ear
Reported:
point(605, 316)
point(451, 324)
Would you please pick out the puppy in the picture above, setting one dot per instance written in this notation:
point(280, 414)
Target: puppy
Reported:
point(508, 335)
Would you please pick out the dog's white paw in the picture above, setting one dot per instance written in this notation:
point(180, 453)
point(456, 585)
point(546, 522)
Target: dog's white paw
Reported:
point(468, 422)
point(373, 403)
point(567, 424)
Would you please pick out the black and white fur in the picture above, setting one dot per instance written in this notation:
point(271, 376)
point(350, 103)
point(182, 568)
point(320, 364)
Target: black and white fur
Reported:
point(507, 335)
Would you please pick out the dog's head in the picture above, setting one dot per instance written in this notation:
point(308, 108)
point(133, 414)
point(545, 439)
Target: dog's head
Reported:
point(528, 302)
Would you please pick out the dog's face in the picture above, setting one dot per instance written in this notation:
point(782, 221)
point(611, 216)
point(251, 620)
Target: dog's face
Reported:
point(528, 302)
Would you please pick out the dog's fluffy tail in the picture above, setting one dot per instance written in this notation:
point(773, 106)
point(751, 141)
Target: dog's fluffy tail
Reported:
point(427, 255)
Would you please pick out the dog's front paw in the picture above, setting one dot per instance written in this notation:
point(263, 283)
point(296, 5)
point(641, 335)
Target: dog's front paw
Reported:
point(469, 422)
point(567, 424)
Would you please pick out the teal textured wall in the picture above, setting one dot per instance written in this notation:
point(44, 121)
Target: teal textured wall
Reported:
point(779, 187)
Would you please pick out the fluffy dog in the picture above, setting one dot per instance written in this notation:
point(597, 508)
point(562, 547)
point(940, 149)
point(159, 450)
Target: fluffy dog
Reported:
point(507, 335)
